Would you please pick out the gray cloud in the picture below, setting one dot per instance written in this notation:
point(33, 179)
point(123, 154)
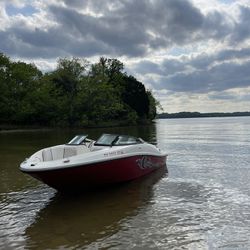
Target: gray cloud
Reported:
point(226, 69)
point(136, 29)
point(130, 28)
point(221, 96)
point(242, 28)
point(109, 32)
point(205, 60)
point(235, 97)
point(220, 77)
point(147, 67)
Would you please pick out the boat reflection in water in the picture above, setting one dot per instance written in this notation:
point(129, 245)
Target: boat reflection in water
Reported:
point(77, 221)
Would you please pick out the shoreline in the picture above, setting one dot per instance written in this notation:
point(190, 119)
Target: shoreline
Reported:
point(5, 128)
point(200, 115)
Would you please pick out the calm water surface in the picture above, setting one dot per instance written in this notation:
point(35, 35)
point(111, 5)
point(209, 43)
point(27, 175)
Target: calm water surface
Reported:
point(203, 203)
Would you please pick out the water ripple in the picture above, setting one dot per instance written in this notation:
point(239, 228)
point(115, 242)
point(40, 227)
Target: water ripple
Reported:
point(18, 210)
point(204, 203)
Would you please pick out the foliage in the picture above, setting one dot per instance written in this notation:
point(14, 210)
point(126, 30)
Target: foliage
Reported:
point(75, 94)
point(18, 84)
point(135, 96)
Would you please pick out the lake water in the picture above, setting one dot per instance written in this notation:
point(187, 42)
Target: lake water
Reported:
point(203, 202)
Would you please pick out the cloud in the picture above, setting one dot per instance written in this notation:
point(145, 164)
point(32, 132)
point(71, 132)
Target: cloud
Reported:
point(222, 96)
point(186, 48)
point(242, 28)
point(121, 28)
point(224, 101)
point(203, 73)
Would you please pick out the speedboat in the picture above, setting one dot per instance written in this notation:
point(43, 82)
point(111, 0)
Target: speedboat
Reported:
point(85, 163)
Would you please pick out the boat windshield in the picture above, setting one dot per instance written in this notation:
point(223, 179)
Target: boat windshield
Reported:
point(117, 140)
point(106, 140)
point(77, 140)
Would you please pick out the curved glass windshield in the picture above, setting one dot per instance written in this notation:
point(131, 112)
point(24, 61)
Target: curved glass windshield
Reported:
point(77, 140)
point(106, 140)
point(126, 140)
point(117, 140)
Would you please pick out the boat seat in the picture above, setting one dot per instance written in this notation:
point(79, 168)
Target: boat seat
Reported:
point(62, 151)
point(47, 154)
point(69, 151)
point(57, 153)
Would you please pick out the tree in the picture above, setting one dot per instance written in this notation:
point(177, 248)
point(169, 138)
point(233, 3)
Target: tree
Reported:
point(72, 95)
point(107, 71)
point(67, 79)
point(17, 83)
point(153, 104)
point(4, 90)
point(135, 96)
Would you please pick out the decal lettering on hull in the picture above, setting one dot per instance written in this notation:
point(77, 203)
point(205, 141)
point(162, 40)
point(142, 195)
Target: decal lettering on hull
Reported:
point(147, 162)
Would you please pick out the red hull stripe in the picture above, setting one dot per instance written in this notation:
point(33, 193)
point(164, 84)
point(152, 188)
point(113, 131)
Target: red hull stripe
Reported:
point(102, 173)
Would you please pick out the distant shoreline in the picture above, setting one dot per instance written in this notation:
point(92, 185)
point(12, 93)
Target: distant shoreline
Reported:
point(200, 115)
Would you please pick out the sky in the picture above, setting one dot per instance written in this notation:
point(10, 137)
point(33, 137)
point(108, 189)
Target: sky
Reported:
point(194, 55)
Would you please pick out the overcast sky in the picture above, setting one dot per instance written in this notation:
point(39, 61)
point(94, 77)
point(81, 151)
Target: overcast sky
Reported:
point(193, 54)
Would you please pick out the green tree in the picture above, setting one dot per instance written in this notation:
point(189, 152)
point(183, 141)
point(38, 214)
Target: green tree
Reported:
point(17, 83)
point(107, 70)
point(135, 96)
point(4, 90)
point(153, 105)
point(68, 79)
point(24, 79)
point(72, 95)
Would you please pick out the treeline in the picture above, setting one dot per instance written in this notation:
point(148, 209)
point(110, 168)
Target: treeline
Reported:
point(197, 114)
point(76, 93)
